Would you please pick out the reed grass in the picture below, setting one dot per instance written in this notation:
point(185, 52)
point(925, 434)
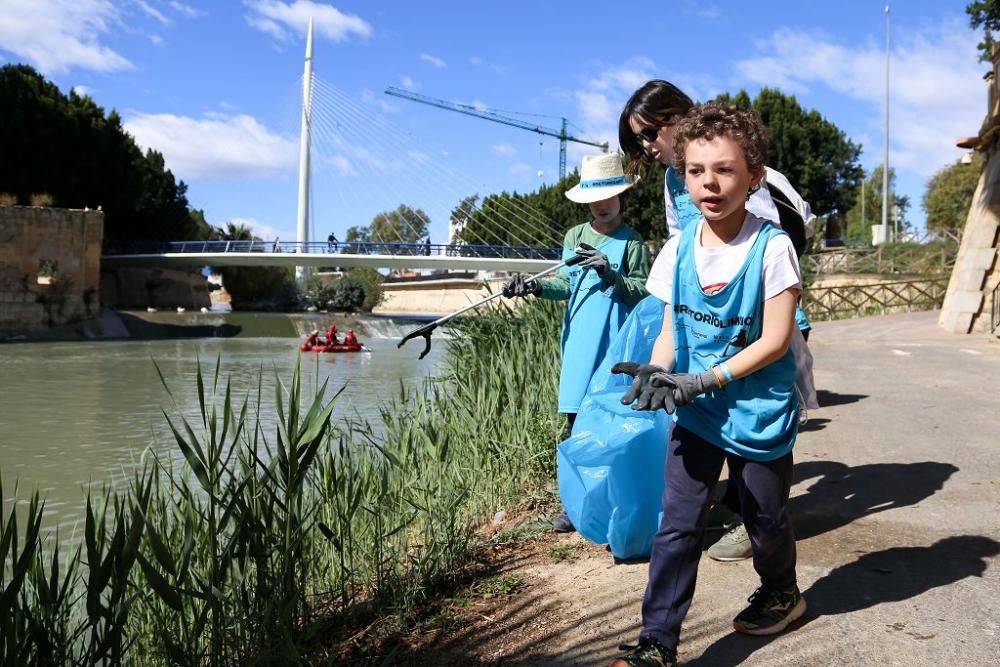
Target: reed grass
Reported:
point(251, 543)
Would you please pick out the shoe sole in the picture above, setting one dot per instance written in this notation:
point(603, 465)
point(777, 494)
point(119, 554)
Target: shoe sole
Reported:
point(729, 559)
point(794, 615)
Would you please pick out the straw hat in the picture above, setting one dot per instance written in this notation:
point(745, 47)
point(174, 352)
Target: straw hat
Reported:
point(601, 177)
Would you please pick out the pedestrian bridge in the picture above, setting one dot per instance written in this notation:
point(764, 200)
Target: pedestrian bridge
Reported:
point(352, 254)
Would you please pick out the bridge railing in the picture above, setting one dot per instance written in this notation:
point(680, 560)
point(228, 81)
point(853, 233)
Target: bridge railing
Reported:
point(347, 248)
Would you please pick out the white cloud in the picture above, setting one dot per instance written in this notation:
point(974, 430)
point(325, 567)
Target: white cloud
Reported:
point(216, 146)
point(284, 20)
point(152, 11)
point(82, 90)
point(476, 61)
point(156, 39)
point(505, 150)
point(186, 10)
point(368, 97)
point(433, 60)
point(936, 89)
point(408, 83)
point(263, 230)
point(59, 35)
point(479, 105)
point(602, 93)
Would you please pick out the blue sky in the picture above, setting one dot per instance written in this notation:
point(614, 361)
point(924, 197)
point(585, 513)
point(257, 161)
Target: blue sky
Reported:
point(216, 86)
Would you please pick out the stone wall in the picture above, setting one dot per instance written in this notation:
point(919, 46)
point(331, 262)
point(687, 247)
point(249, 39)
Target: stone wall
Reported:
point(50, 265)
point(156, 287)
point(969, 299)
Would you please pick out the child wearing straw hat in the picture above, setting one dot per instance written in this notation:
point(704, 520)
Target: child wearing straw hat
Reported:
point(601, 290)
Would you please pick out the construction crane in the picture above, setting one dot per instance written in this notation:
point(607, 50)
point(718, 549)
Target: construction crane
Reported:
point(560, 134)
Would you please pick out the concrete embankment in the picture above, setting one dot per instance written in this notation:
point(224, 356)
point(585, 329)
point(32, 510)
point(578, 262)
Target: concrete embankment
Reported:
point(143, 325)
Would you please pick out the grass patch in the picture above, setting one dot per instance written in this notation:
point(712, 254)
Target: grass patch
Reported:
point(562, 552)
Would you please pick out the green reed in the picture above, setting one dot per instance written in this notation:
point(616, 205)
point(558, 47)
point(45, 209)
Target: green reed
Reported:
point(253, 543)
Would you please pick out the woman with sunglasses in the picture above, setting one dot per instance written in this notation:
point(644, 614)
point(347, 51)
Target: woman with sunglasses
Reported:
point(646, 135)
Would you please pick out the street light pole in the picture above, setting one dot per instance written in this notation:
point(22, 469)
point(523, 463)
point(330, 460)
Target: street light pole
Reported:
point(885, 157)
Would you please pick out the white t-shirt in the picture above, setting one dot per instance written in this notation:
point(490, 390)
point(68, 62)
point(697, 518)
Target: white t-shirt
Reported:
point(717, 266)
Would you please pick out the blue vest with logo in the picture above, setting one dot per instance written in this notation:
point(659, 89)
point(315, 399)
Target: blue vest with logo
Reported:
point(687, 212)
point(594, 315)
point(755, 417)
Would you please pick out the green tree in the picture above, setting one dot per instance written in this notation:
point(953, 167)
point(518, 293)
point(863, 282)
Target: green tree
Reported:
point(68, 148)
point(542, 218)
point(857, 231)
point(403, 225)
point(949, 194)
point(813, 153)
point(371, 281)
point(254, 287)
point(985, 14)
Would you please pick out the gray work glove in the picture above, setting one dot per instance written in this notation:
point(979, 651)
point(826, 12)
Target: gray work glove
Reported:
point(518, 286)
point(598, 261)
point(686, 386)
point(645, 394)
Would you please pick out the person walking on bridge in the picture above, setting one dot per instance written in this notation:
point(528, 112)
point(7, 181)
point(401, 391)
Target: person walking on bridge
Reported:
point(601, 290)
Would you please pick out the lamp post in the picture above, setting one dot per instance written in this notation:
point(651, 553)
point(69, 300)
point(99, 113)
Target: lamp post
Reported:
point(885, 157)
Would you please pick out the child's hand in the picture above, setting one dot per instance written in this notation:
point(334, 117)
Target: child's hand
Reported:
point(519, 287)
point(651, 388)
point(598, 261)
point(687, 386)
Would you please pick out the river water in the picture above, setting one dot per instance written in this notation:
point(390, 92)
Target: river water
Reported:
point(77, 414)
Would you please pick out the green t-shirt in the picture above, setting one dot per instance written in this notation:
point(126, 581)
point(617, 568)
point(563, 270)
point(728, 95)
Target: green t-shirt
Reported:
point(630, 283)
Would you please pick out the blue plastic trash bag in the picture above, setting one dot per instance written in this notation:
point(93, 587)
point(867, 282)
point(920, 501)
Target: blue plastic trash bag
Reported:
point(611, 468)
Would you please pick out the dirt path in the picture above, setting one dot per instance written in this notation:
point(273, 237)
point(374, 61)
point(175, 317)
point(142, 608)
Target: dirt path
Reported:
point(897, 513)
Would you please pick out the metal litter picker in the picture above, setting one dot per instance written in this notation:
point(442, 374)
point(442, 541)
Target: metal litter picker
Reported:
point(427, 329)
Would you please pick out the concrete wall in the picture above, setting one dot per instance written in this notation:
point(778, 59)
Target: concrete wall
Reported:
point(969, 299)
point(427, 298)
point(50, 264)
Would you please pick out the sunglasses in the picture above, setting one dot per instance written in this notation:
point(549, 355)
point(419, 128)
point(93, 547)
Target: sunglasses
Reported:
point(650, 134)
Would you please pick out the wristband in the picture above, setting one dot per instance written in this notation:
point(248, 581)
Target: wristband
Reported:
point(728, 374)
point(719, 377)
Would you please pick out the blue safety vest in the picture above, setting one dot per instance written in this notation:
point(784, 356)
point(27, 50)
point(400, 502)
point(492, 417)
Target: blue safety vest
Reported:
point(594, 315)
point(755, 417)
point(684, 206)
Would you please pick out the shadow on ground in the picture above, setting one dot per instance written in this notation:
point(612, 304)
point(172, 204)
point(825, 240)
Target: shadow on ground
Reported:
point(828, 399)
point(842, 494)
point(892, 575)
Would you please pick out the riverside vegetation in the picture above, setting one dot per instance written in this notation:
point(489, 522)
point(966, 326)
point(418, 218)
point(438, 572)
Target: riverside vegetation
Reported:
point(254, 547)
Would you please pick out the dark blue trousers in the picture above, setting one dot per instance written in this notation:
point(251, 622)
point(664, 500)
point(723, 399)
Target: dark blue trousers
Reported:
point(692, 471)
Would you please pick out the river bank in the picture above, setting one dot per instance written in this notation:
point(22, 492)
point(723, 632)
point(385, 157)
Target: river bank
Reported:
point(117, 325)
point(252, 540)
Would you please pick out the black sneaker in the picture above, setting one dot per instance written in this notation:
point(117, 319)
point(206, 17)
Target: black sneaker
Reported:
point(770, 612)
point(562, 524)
point(648, 653)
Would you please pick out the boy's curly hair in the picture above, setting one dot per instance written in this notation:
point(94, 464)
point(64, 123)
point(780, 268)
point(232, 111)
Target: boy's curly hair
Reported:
point(718, 119)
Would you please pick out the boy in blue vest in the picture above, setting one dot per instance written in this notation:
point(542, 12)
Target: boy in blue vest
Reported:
point(722, 366)
point(601, 290)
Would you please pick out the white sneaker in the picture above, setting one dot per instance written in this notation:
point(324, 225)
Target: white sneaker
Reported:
point(733, 546)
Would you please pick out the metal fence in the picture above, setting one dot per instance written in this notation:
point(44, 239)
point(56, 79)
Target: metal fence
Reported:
point(884, 260)
point(338, 248)
point(845, 301)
